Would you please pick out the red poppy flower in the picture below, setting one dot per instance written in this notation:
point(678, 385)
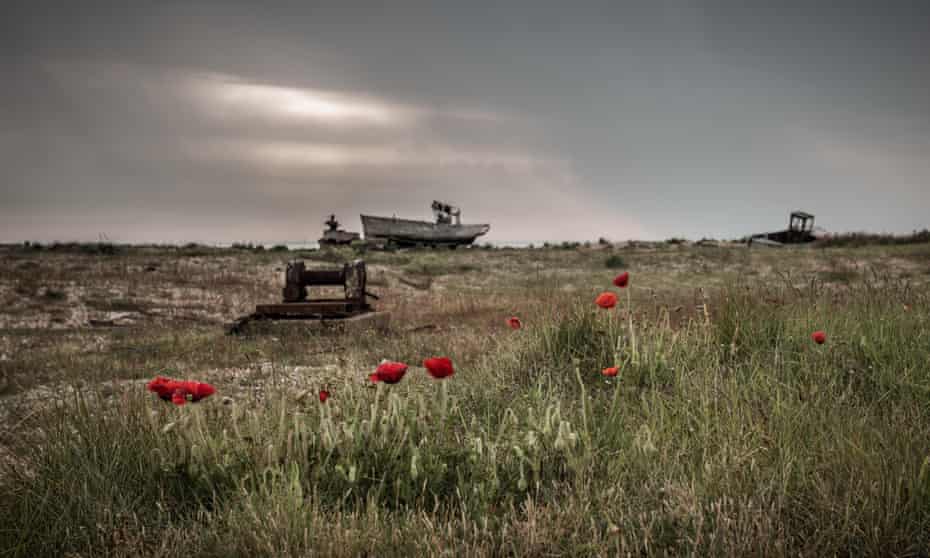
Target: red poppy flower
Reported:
point(179, 392)
point(439, 367)
point(389, 372)
point(514, 322)
point(606, 300)
point(819, 337)
point(324, 395)
point(612, 371)
point(622, 280)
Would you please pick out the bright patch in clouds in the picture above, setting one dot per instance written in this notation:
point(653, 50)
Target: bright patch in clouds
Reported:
point(236, 99)
point(225, 95)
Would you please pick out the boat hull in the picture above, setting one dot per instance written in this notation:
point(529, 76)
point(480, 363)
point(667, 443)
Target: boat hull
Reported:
point(787, 236)
point(338, 237)
point(410, 232)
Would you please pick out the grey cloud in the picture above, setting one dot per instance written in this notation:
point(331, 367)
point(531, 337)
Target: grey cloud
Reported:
point(609, 118)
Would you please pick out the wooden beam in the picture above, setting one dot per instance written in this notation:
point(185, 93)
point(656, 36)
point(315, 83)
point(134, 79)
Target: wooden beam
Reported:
point(309, 308)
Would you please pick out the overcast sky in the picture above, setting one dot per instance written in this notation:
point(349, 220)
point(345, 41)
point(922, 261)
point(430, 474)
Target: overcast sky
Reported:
point(252, 121)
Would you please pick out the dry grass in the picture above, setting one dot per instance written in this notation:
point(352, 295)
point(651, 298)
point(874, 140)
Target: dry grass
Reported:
point(727, 433)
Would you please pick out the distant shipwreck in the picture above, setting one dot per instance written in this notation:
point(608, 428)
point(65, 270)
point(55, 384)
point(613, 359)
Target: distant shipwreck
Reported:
point(800, 231)
point(407, 232)
point(334, 235)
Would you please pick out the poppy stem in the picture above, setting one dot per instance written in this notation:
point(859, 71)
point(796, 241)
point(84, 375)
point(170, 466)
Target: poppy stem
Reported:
point(629, 314)
point(374, 408)
point(584, 404)
point(613, 402)
point(617, 349)
point(444, 399)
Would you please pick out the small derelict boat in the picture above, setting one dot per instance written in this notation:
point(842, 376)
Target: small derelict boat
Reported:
point(334, 235)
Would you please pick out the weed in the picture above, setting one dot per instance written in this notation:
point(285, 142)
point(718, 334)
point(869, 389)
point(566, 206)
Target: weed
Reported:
point(54, 294)
point(614, 261)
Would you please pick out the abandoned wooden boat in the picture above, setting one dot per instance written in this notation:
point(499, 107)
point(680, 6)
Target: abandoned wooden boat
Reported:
point(408, 232)
point(334, 235)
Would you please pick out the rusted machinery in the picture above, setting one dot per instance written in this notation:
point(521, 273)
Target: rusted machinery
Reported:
point(297, 278)
point(298, 304)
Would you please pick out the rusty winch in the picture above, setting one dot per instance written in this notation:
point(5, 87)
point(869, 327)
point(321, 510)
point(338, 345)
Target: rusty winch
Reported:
point(300, 304)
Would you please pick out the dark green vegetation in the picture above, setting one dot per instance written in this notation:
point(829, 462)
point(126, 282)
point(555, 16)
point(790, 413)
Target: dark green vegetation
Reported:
point(871, 239)
point(614, 261)
point(727, 432)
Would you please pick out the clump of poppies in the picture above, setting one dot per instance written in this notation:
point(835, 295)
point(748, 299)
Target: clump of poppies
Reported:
point(180, 392)
point(607, 299)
